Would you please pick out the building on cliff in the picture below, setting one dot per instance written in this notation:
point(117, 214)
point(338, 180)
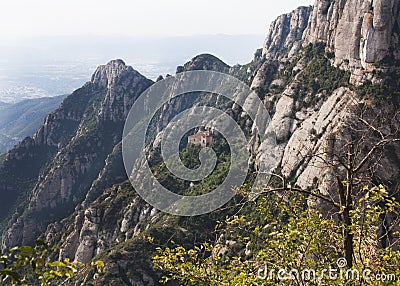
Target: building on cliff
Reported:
point(203, 138)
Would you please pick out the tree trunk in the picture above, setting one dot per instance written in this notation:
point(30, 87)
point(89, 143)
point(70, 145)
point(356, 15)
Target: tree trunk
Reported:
point(346, 204)
point(348, 236)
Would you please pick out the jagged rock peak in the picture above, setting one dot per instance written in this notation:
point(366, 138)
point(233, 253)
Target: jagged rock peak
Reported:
point(361, 32)
point(285, 34)
point(105, 75)
point(205, 62)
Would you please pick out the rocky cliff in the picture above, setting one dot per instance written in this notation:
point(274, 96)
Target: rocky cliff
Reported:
point(362, 34)
point(83, 244)
point(79, 199)
point(285, 33)
point(83, 131)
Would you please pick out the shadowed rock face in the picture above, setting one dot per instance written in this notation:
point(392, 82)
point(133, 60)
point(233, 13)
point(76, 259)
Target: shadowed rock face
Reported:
point(362, 32)
point(205, 62)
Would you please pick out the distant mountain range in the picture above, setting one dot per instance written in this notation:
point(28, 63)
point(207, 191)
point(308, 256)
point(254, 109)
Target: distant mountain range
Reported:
point(22, 119)
point(48, 66)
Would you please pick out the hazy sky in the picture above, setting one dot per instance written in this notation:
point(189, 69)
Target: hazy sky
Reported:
point(22, 18)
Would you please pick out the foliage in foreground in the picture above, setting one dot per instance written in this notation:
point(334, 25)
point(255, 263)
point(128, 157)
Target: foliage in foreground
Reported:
point(26, 265)
point(283, 241)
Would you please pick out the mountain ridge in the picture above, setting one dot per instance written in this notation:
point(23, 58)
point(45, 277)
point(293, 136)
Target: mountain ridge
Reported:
point(306, 88)
point(85, 116)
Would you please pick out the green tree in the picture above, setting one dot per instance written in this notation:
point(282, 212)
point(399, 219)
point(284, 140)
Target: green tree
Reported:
point(284, 228)
point(26, 265)
point(284, 234)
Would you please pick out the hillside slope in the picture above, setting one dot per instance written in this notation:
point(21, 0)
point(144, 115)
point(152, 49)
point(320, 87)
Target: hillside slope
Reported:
point(321, 99)
point(22, 119)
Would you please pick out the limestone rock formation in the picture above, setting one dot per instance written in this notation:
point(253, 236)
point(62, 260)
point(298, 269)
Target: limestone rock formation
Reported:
point(123, 85)
point(72, 172)
point(83, 131)
point(285, 33)
point(114, 217)
point(361, 32)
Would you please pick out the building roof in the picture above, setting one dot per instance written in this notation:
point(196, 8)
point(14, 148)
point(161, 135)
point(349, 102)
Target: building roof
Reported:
point(201, 134)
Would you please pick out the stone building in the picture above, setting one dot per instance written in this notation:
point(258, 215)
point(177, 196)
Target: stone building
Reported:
point(203, 138)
